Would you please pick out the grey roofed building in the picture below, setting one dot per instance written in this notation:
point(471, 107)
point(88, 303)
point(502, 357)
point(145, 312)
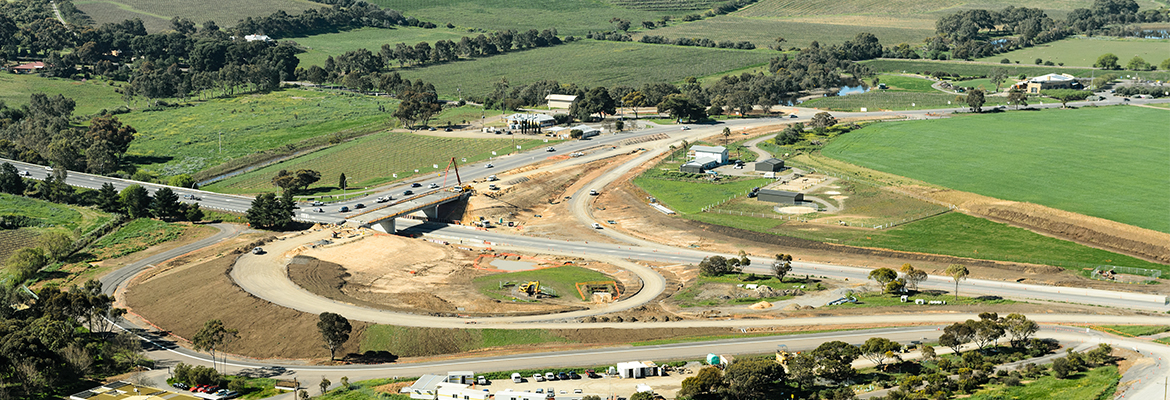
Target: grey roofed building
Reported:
point(770, 165)
point(780, 196)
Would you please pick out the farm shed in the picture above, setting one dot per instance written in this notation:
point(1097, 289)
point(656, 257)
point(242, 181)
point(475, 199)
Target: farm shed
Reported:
point(716, 153)
point(560, 100)
point(29, 68)
point(780, 196)
point(770, 165)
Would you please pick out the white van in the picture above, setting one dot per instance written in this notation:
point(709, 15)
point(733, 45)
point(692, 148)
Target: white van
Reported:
point(517, 378)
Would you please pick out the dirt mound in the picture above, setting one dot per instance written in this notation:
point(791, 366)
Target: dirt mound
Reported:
point(761, 305)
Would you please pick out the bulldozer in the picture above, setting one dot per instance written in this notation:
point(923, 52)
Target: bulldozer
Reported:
point(532, 289)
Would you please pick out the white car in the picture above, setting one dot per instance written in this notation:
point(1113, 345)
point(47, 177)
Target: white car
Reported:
point(25, 173)
point(596, 225)
point(434, 186)
point(537, 378)
point(686, 128)
point(488, 166)
point(550, 149)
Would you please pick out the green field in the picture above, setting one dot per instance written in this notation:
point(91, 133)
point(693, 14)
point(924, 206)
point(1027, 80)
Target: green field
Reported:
point(984, 68)
point(690, 197)
point(48, 217)
point(156, 15)
point(91, 96)
point(1136, 330)
point(374, 159)
point(586, 63)
point(1104, 162)
point(135, 236)
point(569, 17)
point(902, 83)
point(406, 341)
point(187, 139)
point(1083, 52)
point(561, 279)
point(762, 32)
point(1098, 383)
point(334, 44)
point(789, 8)
point(896, 100)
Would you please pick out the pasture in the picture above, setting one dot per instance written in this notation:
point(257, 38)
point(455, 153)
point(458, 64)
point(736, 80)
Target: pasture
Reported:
point(983, 68)
point(895, 100)
point(903, 83)
point(1083, 52)
point(762, 32)
point(91, 96)
point(333, 44)
point(585, 63)
point(156, 15)
point(1103, 162)
point(373, 160)
point(791, 8)
point(186, 140)
point(569, 17)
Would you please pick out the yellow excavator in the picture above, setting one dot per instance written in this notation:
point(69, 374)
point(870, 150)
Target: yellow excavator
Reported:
point(532, 289)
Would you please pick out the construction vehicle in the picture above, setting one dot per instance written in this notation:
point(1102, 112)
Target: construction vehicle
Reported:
point(532, 289)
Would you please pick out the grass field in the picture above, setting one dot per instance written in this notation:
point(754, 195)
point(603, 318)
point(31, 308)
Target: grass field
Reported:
point(569, 17)
point(156, 15)
point(91, 96)
point(762, 32)
point(690, 197)
point(1024, 156)
point(135, 236)
point(1135, 330)
point(1098, 383)
point(334, 44)
point(788, 8)
point(405, 341)
point(889, 300)
point(187, 139)
point(586, 63)
point(562, 279)
point(983, 68)
point(374, 159)
point(902, 83)
point(895, 100)
point(49, 217)
point(1083, 52)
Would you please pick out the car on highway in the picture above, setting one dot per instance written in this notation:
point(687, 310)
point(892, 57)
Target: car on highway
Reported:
point(488, 166)
point(408, 193)
point(318, 204)
point(192, 197)
point(596, 225)
point(48, 168)
point(434, 186)
point(686, 128)
point(593, 192)
point(320, 210)
point(550, 149)
point(25, 173)
point(343, 209)
point(447, 130)
point(793, 116)
point(359, 206)
point(416, 185)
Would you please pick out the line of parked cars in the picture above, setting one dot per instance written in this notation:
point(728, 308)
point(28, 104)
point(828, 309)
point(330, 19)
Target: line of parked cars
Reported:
point(209, 389)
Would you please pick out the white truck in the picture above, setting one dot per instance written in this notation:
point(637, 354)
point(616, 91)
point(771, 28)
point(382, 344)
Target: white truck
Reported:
point(516, 378)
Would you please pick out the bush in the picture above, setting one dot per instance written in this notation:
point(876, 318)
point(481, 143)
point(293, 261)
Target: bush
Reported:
point(1011, 381)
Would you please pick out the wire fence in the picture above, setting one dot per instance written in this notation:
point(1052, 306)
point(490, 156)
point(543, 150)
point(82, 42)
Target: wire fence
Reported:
point(1106, 272)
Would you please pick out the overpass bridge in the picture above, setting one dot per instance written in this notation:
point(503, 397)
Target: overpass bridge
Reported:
point(430, 203)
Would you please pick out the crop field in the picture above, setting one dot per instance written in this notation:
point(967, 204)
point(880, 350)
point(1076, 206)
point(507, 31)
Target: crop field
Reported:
point(895, 100)
point(562, 279)
point(374, 159)
point(983, 68)
point(334, 44)
point(156, 15)
point(569, 17)
point(585, 63)
point(1083, 52)
point(91, 96)
point(185, 140)
point(1025, 156)
point(762, 32)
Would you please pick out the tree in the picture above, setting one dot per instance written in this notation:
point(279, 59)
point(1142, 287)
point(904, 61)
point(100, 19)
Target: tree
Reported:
point(26, 262)
point(802, 370)
point(335, 330)
point(193, 213)
point(791, 134)
point(878, 350)
point(987, 330)
point(57, 245)
point(958, 272)
point(634, 99)
point(778, 43)
point(1137, 64)
point(1020, 328)
point(998, 77)
point(1165, 65)
point(956, 335)
point(212, 336)
point(708, 381)
point(268, 212)
point(1066, 95)
point(135, 201)
point(753, 379)
point(726, 134)
point(108, 200)
point(595, 101)
point(165, 204)
point(1107, 61)
point(680, 107)
point(718, 265)
point(1061, 368)
point(183, 181)
point(822, 121)
point(913, 276)
point(782, 266)
point(642, 396)
point(928, 352)
point(10, 180)
point(975, 100)
point(883, 275)
point(1017, 97)
point(324, 385)
point(109, 129)
point(341, 183)
point(834, 360)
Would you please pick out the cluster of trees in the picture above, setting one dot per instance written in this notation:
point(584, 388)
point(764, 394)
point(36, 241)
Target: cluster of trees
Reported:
point(53, 344)
point(294, 181)
point(42, 132)
point(895, 282)
point(1153, 91)
point(136, 202)
point(271, 212)
point(719, 265)
point(345, 14)
point(698, 42)
point(1137, 63)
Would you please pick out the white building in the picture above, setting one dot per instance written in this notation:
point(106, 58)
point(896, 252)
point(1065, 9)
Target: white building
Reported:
point(509, 394)
point(1046, 82)
point(718, 154)
point(560, 100)
point(540, 120)
point(460, 391)
point(586, 130)
point(425, 388)
point(637, 369)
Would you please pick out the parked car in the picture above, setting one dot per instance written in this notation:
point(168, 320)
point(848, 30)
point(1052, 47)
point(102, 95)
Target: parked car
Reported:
point(180, 385)
point(516, 378)
point(539, 391)
point(343, 209)
point(537, 378)
point(591, 374)
point(549, 376)
point(481, 380)
point(257, 250)
point(317, 204)
point(573, 375)
point(416, 185)
point(562, 376)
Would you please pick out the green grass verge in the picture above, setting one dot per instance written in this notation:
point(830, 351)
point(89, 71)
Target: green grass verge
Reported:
point(374, 159)
point(686, 298)
point(1083, 52)
point(334, 44)
point(562, 279)
point(1165, 341)
point(1098, 383)
point(889, 300)
point(787, 8)
point(156, 15)
point(135, 236)
point(186, 140)
point(982, 68)
point(691, 197)
point(90, 97)
point(1024, 156)
point(737, 336)
point(1136, 330)
point(569, 17)
point(416, 342)
point(586, 63)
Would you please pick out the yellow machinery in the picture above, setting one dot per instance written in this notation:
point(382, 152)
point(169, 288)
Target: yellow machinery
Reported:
point(530, 288)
